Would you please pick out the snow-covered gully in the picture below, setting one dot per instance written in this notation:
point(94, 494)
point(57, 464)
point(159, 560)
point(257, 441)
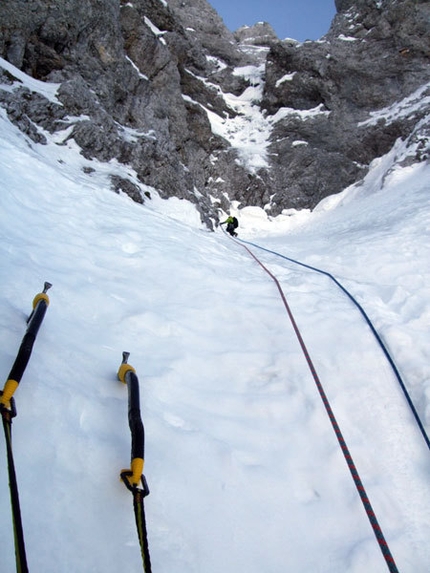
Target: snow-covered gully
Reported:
point(245, 471)
point(361, 490)
point(363, 314)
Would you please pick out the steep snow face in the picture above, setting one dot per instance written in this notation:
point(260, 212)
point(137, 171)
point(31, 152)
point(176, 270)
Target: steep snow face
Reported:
point(248, 129)
point(244, 469)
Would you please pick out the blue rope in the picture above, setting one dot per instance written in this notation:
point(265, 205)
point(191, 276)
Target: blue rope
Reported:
point(348, 458)
point(368, 321)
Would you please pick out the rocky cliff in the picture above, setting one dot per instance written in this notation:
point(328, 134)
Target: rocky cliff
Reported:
point(210, 116)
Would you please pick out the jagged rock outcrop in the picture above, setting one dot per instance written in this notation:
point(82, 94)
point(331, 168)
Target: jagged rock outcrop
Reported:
point(210, 116)
point(374, 55)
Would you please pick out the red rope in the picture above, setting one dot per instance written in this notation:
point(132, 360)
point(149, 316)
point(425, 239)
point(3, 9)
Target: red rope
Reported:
point(354, 473)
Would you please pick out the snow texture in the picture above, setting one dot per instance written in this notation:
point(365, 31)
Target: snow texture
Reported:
point(245, 471)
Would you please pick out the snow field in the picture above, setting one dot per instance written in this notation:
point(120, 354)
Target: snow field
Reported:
point(244, 468)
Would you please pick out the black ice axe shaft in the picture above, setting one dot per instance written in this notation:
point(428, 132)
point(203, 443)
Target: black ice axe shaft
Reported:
point(40, 305)
point(127, 375)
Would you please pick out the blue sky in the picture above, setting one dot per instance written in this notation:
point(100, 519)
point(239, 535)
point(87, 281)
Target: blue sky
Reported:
point(301, 20)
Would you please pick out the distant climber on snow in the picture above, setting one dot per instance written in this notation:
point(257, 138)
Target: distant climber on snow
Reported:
point(232, 224)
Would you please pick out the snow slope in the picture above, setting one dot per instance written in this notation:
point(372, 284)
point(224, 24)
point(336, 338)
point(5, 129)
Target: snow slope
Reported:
point(244, 468)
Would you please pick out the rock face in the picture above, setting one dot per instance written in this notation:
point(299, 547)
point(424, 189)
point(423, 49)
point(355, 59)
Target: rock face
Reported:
point(166, 89)
point(376, 53)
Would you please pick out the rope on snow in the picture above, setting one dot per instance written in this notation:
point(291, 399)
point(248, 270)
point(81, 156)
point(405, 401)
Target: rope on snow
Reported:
point(369, 323)
point(350, 462)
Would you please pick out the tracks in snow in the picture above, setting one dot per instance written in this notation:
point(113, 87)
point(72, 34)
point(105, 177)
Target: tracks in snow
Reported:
point(375, 428)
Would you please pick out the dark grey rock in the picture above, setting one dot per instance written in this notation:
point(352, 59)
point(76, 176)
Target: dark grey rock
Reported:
point(126, 186)
point(137, 80)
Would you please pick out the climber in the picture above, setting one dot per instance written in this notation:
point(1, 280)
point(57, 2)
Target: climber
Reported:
point(232, 224)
